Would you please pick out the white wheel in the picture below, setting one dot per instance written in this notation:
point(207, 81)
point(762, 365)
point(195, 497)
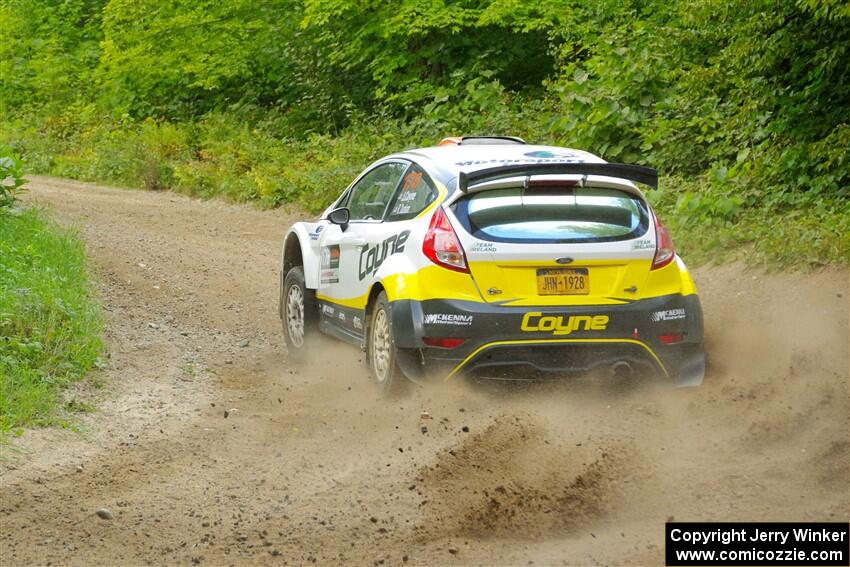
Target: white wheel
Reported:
point(383, 354)
point(298, 313)
point(295, 315)
point(381, 344)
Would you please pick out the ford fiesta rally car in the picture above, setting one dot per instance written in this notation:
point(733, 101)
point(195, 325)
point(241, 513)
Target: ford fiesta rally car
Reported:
point(488, 257)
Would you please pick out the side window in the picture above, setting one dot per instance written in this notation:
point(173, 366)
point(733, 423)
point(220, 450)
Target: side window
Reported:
point(415, 194)
point(370, 197)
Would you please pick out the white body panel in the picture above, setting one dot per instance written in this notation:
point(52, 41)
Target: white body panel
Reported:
point(308, 243)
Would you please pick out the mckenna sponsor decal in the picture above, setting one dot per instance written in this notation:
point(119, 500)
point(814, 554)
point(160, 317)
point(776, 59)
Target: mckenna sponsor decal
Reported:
point(669, 315)
point(448, 319)
point(559, 325)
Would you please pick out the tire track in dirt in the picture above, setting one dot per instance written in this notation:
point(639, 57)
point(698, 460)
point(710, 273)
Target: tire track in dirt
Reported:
point(310, 466)
point(515, 477)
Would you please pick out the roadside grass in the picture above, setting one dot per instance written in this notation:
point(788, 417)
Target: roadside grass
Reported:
point(50, 326)
point(799, 240)
point(710, 226)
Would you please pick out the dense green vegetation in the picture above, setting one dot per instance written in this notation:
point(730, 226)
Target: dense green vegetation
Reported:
point(11, 178)
point(49, 325)
point(741, 104)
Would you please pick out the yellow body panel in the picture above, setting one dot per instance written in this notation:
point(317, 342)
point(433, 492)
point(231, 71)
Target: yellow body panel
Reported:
point(688, 285)
point(431, 282)
point(353, 302)
point(609, 279)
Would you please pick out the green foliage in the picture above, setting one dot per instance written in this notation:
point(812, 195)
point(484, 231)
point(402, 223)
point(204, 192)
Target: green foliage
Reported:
point(48, 53)
point(744, 92)
point(742, 104)
point(11, 178)
point(410, 48)
point(826, 9)
point(49, 325)
point(607, 94)
point(178, 59)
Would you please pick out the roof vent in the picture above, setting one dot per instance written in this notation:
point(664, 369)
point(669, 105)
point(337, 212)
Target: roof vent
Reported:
point(481, 141)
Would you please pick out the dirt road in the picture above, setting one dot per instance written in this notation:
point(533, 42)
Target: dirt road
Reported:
point(209, 448)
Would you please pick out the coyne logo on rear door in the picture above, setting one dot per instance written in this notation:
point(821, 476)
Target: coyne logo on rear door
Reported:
point(371, 257)
point(536, 322)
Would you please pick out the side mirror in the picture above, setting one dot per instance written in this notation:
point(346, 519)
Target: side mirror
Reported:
point(340, 216)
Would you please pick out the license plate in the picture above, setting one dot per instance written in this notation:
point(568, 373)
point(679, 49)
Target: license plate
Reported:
point(563, 281)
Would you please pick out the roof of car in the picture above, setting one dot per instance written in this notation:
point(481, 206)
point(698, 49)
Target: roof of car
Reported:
point(453, 159)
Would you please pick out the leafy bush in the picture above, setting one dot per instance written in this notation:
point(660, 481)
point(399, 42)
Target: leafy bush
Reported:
point(741, 92)
point(11, 178)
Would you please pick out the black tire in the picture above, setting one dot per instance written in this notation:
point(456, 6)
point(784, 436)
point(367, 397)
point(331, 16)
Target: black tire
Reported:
point(382, 354)
point(293, 288)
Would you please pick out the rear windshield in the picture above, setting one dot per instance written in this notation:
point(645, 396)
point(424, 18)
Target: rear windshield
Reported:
point(553, 214)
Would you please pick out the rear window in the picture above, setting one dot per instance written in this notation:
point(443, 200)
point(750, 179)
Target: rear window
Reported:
point(553, 214)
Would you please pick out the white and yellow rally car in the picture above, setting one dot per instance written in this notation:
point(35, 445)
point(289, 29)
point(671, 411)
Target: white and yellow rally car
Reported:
point(492, 258)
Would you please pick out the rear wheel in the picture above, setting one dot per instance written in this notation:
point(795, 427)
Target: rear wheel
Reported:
point(298, 312)
point(383, 354)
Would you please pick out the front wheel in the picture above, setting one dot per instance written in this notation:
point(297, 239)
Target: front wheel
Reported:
point(383, 354)
point(298, 313)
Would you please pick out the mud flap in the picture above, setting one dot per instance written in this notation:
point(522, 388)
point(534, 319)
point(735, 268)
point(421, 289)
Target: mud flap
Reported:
point(692, 366)
point(408, 329)
point(692, 370)
point(409, 362)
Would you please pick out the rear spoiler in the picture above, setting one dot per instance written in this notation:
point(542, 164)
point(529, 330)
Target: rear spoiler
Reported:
point(636, 173)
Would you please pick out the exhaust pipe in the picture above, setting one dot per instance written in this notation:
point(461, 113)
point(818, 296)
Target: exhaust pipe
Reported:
point(622, 369)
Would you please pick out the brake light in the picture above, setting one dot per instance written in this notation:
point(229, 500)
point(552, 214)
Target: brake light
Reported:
point(441, 244)
point(443, 342)
point(664, 251)
point(671, 338)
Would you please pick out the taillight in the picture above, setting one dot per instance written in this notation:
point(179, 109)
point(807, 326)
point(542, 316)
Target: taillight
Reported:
point(441, 244)
point(671, 338)
point(443, 342)
point(664, 251)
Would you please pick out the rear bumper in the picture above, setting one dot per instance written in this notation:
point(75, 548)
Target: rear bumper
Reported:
point(518, 342)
